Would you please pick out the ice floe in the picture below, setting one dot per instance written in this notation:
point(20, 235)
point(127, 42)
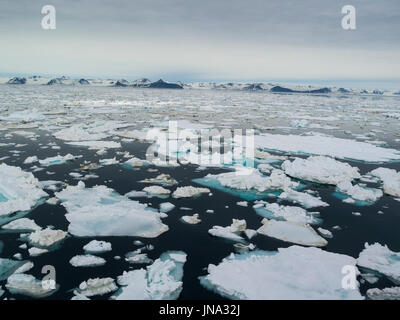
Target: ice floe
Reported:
point(57, 160)
point(363, 194)
point(19, 190)
point(87, 260)
point(384, 294)
point(188, 192)
point(381, 259)
point(194, 219)
point(321, 170)
point(231, 232)
point(100, 211)
point(97, 287)
point(304, 199)
point(289, 273)
point(326, 146)
point(288, 213)
point(8, 267)
point(293, 232)
point(96, 246)
point(25, 284)
point(160, 281)
point(390, 179)
point(166, 207)
point(23, 224)
point(47, 238)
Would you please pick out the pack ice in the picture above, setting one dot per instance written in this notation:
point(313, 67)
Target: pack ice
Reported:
point(100, 211)
point(160, 281)
point(19, 190)
point(345, 149)
point(289, 273)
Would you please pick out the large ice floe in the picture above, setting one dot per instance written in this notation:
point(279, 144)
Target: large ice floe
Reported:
point(100, 211)
point(26, 284)
point(320, 169)
point(19, 190)
point(390, 179)
point(289, 273)
point(288, 213)
point(248, 183)
point(293, 232)
point(327, 146)
point(381, 259)
point(160, 281)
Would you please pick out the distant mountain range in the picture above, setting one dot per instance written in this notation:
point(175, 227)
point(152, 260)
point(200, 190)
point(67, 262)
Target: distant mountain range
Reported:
point(161, 84)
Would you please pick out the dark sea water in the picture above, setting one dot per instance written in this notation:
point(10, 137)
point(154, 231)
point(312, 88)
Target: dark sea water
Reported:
point(201, 248)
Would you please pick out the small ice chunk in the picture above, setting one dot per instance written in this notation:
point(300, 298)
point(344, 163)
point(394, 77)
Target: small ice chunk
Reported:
point(359, 193)
point(325, 233)
point(96, 246)
point(166, 207)
point(384, 294)
point(57, 160)
point(108, 162)
point(188, 192)
point(194, 219)
point(86, 260)
point(34, 252)
point(30, 160)
point(242, 203)
point(47, 237)
point(304, 199)
point(231, 232)
point(97, 287)
point(157, 190)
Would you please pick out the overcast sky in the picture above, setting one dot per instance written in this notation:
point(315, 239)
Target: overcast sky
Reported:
point(203, 39)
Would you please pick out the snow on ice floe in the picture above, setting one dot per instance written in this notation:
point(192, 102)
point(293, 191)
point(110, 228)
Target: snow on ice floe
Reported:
point(100, 211)
point(28, 285)
point(384, 294)
point(188, 192)
point(289, 273)
point(304, 199)
point(96, 246)
point(19, 190)
point(166, 207)
point(248, 183)
point(381, 259)
point(359, 194)
point(51, 161)
point(47, 238)
point(23, 224)
point(326, 146)
point(321, 170)
point(390, 179)
point(97, 287)
point(194, 219)
point(287, 213)
point(87, 260)
point(163, 179)
point(160, 281)
point(293, 232)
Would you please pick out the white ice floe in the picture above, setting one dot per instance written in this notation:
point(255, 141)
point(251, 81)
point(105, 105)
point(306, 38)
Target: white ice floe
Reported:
point(100, 211)
point(24, 116)
point(359, 193)
point(384, 294)
point(166, 207)
point(96, 246)
point(23, 224)
point(390, 179)
point(188, 192)
point(194, 219)
point(30, 160)
point(321, 170)
point(288, 213)
point(231, 232)
point(252, 179)
point(137, 257)
point(87, 260)
point(34, 252)
point(289, 273)
point(304, 199)
point(97, 287)
point(19, 190)
point(108, 162)
point(8, 267)
point(136, 163)
point(160, 281)
point(96, 145)
point(26, 284)
point(293, 232)
point(163, 179)
point(326, 146)
point(57, 160)
point(381, 259)
point(47, 237)
point(156, 190)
